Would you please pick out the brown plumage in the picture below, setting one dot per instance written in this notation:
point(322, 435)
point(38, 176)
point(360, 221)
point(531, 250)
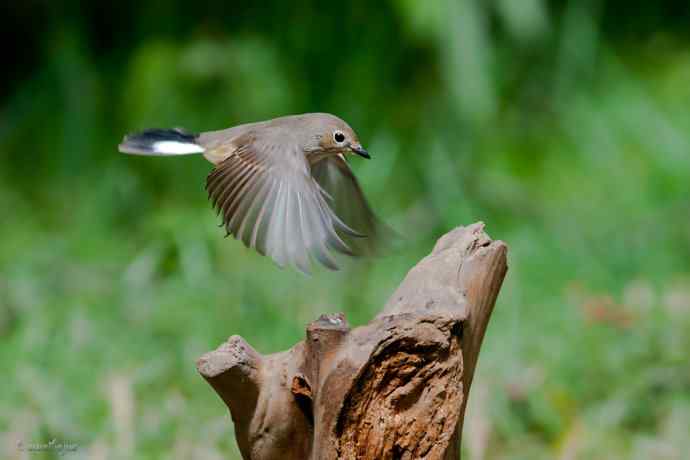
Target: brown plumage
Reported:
point(281, 186)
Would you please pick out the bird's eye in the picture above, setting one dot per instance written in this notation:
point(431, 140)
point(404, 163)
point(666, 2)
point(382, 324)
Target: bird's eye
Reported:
point(339, 137)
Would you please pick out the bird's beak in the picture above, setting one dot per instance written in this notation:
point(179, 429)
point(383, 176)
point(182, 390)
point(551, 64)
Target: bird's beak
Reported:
point(361, 151)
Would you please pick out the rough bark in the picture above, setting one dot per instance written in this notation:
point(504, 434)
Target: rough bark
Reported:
point(395, 388)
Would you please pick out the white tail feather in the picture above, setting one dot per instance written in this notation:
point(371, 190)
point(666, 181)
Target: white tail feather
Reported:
point(176, 148)
point(162, 142)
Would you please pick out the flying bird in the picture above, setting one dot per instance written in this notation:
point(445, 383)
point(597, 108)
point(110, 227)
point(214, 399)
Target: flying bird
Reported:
point(282, 186)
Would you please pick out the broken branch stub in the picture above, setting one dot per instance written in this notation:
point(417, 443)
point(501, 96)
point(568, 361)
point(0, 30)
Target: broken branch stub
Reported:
point(395, 388)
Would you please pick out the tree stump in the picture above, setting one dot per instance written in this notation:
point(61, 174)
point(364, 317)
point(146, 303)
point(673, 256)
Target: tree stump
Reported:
point(395, 388)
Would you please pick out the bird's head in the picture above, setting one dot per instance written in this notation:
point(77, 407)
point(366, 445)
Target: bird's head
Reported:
point(332, 136)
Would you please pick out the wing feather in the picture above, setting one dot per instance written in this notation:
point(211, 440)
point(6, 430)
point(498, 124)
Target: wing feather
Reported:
point(359, 227)
point(275, 239)
point(269, 200)
point(261, 225)
point(318, 237)
point(256, 200)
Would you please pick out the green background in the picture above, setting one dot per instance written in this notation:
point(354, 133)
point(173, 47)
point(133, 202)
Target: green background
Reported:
point(565, 126)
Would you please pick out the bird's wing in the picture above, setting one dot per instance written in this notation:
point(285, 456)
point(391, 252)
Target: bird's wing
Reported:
point(270, 202)
point(347, 200)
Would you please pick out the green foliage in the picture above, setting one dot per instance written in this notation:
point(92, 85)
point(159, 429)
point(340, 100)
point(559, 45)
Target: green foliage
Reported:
point(547, 121)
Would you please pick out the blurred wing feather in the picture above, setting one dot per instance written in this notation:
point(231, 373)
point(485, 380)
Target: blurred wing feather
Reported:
point(268, 200)
point(361, 230)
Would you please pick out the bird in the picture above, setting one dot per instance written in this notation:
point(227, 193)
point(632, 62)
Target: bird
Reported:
point(283, 187)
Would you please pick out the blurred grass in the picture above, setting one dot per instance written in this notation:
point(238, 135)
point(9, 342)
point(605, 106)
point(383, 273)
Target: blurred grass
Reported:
point(569, 140)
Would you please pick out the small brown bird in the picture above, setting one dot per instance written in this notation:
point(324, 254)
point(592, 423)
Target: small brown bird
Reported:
point(283, 186)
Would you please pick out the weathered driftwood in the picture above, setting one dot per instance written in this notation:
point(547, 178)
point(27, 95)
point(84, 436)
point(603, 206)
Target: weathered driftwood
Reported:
point(393, 389)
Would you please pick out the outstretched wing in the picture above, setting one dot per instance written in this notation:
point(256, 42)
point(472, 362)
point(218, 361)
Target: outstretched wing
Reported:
point(348, 202)
point(269, 201)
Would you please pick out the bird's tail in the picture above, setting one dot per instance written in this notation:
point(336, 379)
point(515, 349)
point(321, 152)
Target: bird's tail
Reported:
point(163, 142)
